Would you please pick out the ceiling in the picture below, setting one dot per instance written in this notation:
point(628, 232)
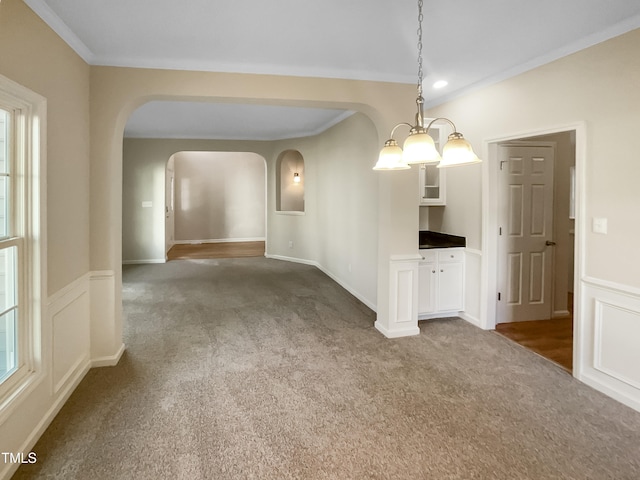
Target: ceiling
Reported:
point(469, 43)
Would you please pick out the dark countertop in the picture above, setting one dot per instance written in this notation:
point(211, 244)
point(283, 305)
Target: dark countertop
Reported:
point(428, 239)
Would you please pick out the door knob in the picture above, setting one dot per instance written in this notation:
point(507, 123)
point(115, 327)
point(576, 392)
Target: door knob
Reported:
point(549, 243)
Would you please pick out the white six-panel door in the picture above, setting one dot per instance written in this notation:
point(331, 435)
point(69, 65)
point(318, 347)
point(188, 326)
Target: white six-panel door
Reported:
point(525, 202)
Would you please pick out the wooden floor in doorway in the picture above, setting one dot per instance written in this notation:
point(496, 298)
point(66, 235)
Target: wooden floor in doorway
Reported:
point(216, 250)
point(552, 339)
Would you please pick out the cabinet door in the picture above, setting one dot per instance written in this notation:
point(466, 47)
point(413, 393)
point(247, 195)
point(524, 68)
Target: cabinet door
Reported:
point(427, 288)
point(432, 185)
point(450, 286)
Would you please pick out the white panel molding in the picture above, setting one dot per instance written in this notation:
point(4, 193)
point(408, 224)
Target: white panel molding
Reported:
point(619, 288)
point(69, 317)
point(62, 389)
point(472, 276)
point(46, 420)
point(61, 297)
point(610, 311)
point(106, 349)
point(403, 301)
point(605, 319)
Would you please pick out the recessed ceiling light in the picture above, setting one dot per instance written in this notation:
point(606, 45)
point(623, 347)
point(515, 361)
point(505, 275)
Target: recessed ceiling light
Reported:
point(440, 84)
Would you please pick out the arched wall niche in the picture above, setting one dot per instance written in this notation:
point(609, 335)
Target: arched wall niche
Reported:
point(290, 182)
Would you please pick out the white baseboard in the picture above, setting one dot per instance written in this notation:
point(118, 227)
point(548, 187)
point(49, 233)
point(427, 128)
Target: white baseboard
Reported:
point(339, 281)
point(46, 420)
point(219, 240)
point(353, 292)
point(610, 389)
point(147, 261)
point(430, 316)
point(108, 361)
point(293, 260)
point(469, 318)
point(407, 332)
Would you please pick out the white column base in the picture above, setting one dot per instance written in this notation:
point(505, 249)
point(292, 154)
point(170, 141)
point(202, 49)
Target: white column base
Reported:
point(403, 298)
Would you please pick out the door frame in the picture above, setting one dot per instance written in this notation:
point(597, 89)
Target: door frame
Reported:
point(169, 198)
point(489, 262)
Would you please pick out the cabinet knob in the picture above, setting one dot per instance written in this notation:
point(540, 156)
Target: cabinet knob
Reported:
point(451, 256)
point(441, 270)
point(433, 271)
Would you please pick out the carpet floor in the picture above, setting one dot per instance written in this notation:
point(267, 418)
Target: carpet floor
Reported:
point(260, 369)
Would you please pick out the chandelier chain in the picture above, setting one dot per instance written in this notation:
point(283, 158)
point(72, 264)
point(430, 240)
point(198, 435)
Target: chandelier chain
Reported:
point(420, 71)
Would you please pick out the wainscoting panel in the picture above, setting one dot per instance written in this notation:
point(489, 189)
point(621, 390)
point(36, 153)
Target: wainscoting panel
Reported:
point(472, 282)
point(403, 301)
point(106, 341)
point(68, 313)
point(609, 336)
point(616, 349)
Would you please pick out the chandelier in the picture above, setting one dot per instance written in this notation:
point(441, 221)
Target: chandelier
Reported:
point(419, 146)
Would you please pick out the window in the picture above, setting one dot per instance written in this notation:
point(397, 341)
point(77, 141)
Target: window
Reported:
point(21, 238)
point(9, 245)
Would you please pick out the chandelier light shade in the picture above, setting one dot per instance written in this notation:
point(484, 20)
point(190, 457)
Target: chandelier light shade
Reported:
point(457, 151)
point(390, 157)
point(419, 147)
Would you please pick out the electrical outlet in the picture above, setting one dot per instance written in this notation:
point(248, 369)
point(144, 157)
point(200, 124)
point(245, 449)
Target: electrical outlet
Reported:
point(599, 225)
point(290, 243)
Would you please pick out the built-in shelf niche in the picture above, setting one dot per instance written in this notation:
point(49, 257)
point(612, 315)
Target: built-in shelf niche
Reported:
point(290, 178)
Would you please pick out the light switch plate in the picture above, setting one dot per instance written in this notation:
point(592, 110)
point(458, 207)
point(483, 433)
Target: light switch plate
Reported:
point(599, 225)
point(147, 204)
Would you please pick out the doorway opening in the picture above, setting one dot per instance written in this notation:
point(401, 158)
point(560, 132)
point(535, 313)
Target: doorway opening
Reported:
point(534, 179)
point(215, 205)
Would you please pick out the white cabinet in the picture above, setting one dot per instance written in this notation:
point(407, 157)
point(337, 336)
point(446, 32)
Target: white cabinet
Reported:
point(433, 179)
point(432, 185)
point(441, 282)
point(427, 287)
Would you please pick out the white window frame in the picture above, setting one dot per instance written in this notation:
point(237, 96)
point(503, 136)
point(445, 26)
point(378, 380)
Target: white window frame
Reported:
point(28, 150)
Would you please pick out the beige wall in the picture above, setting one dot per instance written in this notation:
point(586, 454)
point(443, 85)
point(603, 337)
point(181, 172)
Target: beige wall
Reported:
point(117, 92)
point(35, 57)
point(339, 228)
point(143, 179)
point(595, 93)
point(597, 86)
point(352, 205)
point(219, 196)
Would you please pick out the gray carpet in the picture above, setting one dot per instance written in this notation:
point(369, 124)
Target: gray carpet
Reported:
point(255, 368)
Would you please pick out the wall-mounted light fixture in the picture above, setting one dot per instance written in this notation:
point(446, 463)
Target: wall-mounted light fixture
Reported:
point(419, 147)
point(296, 178)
